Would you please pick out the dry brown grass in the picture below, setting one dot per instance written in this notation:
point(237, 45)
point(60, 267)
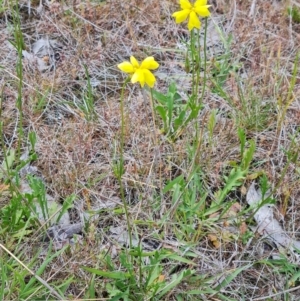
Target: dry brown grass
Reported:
point(77, 157)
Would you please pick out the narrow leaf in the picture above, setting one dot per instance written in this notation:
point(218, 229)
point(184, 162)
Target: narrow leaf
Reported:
point(112, 275)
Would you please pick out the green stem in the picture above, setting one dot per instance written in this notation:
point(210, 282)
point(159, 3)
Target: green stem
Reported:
point(195, 75)
point(121, 162)
point(198, 137)
point(155, 137)
point(197, 65)
point(153, 115)
point(4, 153)
point(192, 49)
point(19, 44)
point(205, 59)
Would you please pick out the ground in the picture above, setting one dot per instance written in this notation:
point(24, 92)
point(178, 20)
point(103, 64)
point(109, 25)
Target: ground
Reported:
point(175, 222)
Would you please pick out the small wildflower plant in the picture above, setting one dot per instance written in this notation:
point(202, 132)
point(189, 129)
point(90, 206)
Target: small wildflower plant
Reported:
point(174, 113)
point(138, 73)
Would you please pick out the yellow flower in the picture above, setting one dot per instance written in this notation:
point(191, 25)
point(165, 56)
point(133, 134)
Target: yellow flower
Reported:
point(200, 8)
point(140, 72)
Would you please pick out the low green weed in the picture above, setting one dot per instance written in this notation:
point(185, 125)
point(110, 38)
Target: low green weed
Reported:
point(174, 112)
point(21, 283)
point(284, 101)
point(148, 282)
point(294, 12)
point(222, 66)
point(88, 106)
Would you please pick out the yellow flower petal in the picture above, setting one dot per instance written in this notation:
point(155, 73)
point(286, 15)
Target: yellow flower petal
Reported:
point(149, 78)
point(202, 11)
point(138, 76)
point(194, 21)
point(140, 72)
point(126, 67)
point(181, 15)
point(200, 3)
point(149, 63)
point(185, 4)
point(134, 62)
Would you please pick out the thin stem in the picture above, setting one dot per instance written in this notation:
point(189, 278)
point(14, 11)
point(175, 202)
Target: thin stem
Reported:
point(140, 266)
point(197, 64)
point(6, 164)
point(205, 59)
point(198, 140)
point(19, 43)
point(195, 75)
point(157, 155)
point(153, 115)
point(121, 162)
point(192, 49)
point(155, 135)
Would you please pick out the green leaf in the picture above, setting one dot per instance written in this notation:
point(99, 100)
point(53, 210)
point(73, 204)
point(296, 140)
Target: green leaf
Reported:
point(160, 97)
point(66, 283)
point(177, 97)
point(199, 292)
point(242, 137)
point(41, 269)
point(176, 279)
point(112, 275)
point(179, 120)
point(6, 164)
point(153, 275)
point(223, 298)
point(193, 114)
point(172, 89)
point(170, 105)
point(234, 179)
point(231, 276)
point(171, 184)
point(248, 155)
point(66, 205)
point(294, 12)
point(163, 114)
point(178, 258)
point(212, 121)
point(91, 289)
